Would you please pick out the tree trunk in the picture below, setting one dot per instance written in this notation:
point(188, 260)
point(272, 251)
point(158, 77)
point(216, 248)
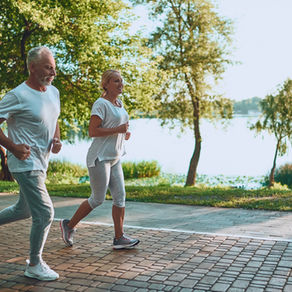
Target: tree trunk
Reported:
point(5, 173)
point(192, 172)
point(272, 173)
point(25, 35)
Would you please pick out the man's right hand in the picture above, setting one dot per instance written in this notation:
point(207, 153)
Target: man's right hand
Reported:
point(21, 151)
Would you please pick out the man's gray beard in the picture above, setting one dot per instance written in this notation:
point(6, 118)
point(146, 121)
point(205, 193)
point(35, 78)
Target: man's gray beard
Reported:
point(45, 83)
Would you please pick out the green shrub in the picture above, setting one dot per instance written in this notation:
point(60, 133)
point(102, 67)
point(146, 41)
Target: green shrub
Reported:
point(64, 172)
point(279, 186)
point(140, 169)
point(283, 175)
point(8, 187)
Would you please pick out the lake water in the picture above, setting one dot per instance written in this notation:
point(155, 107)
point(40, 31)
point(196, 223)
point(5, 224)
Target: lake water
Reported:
point(231, 150)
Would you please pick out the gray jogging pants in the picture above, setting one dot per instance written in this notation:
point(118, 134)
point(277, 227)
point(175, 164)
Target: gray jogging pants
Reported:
point(107, 174)
point(34, 201)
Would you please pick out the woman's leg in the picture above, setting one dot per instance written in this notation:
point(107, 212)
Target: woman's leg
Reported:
point(118, 193)
point(83, 210)
point(118, 218)
point(99, 178)
point(117, 188)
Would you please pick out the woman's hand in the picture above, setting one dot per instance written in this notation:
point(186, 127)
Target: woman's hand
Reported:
point(128, 135)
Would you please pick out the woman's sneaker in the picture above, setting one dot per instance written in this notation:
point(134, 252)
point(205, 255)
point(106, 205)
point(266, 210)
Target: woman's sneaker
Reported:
point(41, 271)
point(67, 233)
point(125, 242)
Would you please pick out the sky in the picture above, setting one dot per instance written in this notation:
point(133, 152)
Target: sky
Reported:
point(262, 44)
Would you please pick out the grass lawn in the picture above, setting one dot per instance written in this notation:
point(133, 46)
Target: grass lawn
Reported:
point(263, 198)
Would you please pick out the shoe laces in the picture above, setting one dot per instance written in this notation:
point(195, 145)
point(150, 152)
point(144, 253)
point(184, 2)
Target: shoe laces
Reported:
point(71, 232)
point(125, 237)
point(45, 267)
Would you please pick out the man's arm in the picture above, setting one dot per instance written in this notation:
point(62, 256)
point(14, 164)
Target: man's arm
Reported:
point(56, 144)
point(20, 151)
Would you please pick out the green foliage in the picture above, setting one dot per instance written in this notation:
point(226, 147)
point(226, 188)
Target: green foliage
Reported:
point(275, 198)
point(167, 179)
point(135, 170)
point(276, 118)
point(283, 175)
point(266, 199)
point(193, 42)
point(243, 107)
point(279, 186)
point(87, 37)
point(64, 172)
point(263, 199)
point(140, 169)
point(8, 187)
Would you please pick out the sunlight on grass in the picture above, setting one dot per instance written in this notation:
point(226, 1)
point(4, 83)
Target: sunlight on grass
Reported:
point(217, 191)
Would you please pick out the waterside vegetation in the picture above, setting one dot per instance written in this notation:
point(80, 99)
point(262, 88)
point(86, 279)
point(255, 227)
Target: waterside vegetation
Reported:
point(229, 192)
point(263, 199)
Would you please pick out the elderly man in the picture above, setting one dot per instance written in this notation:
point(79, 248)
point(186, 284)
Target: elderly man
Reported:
point(31, 112)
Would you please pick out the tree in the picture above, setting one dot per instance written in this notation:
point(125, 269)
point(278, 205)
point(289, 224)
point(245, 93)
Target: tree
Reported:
point(276, 118)
point(4, 173)
point(244, 107)
point(87, 37)
point(193, 41)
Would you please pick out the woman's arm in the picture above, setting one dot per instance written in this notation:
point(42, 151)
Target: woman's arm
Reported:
point(94, 129)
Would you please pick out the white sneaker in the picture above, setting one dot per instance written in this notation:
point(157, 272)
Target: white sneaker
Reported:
point(41, 271)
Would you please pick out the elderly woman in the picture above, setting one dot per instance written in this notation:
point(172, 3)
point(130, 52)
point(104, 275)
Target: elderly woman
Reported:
point(108, 127)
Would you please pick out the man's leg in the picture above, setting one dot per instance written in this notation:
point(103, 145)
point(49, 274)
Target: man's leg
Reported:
point(20, 210)
point(32, 186)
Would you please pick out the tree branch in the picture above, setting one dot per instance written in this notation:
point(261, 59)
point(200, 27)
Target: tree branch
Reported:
point(25, 35)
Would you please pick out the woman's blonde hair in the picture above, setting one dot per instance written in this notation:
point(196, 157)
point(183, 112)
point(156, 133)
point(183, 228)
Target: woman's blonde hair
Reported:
point(105, 78)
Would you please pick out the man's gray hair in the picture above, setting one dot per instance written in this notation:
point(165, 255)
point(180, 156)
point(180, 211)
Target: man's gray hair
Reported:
point(34, 54)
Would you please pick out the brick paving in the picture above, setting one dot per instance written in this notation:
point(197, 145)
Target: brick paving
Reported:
point(164, 261)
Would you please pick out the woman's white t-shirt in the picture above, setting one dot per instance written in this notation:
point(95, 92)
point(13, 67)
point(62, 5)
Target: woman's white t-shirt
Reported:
point(108, 147)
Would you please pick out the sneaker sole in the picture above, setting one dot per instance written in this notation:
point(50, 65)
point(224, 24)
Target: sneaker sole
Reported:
point(29, 275)
point(62, 231)
point(128, 246)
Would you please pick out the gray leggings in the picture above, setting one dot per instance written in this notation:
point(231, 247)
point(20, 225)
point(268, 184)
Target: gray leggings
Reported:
point(34, 201)
point(104, 175)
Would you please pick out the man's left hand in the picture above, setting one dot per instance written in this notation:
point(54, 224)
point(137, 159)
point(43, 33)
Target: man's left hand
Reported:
point(56, 145)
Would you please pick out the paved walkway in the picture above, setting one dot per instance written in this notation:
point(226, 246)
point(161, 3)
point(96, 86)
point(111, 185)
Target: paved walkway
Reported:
point(182, 248)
